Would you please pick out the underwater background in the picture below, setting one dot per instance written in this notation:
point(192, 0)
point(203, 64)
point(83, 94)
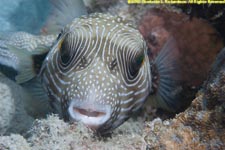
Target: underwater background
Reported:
point(23, 15)
point(200, 126)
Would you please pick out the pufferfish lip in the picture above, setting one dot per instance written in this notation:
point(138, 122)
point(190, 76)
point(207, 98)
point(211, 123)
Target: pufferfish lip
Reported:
point(89, 113)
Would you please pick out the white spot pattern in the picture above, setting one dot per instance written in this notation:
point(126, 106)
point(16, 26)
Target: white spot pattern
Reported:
point(93, 44)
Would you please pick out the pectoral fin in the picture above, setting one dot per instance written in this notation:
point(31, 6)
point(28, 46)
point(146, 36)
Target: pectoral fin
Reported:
point(166, 78)
point(38, 104)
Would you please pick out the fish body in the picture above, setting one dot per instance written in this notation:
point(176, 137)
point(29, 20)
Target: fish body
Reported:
point(96, 71)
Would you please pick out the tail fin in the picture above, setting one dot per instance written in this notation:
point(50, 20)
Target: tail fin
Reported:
point(63, 12)
point(166, 78)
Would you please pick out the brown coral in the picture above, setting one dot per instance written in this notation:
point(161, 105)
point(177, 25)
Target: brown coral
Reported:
point(197, 40)
point(202, 125)
point(192, 129)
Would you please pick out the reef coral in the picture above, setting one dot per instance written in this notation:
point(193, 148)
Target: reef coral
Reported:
point(53, 133)
point(197, 40)
point(192, 129)
point(196, 128)
point(200, 126)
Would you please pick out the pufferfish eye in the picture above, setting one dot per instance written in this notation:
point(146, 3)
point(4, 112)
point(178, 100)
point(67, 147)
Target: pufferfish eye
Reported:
point(65, 50)
point(136, 63)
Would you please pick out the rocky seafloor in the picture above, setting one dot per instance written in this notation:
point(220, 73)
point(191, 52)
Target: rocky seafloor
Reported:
point(200, 126)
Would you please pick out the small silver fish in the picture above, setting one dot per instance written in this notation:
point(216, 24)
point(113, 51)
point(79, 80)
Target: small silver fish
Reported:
point(96, 71)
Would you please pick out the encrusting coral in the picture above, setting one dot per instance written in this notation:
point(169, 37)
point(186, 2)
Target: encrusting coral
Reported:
point(202, 125)
point(53, 133)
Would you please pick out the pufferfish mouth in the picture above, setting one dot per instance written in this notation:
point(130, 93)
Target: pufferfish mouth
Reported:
point(91, 114)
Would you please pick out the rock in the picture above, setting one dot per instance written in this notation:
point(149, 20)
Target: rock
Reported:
point(53, 133)
point(215, 85)
point(202, 125)
point(14, 118)
point(14, 142)
point(198, 42)
point(7, 106)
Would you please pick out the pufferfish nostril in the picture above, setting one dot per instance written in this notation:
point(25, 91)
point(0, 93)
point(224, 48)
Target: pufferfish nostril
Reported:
point(89, 112)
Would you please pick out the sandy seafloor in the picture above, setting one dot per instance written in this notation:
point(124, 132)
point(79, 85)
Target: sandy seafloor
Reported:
point(199, 127)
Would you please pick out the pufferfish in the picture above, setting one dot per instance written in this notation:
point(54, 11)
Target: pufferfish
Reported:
point(96, 71)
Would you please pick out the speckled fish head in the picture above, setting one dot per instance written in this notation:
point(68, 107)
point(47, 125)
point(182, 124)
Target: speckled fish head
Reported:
point(99, 71)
